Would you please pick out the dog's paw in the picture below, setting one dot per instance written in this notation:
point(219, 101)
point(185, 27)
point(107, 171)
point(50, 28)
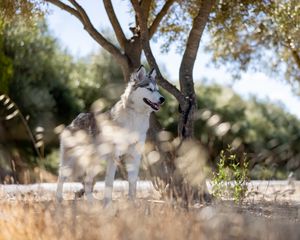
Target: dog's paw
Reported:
point(79, 193)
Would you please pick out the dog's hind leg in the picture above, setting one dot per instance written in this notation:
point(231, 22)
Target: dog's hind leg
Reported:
point(61, 175)
point(109, 181)
point(89, 185)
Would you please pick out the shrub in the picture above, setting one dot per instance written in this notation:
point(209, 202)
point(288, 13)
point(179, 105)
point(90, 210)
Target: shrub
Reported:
point(231, 176)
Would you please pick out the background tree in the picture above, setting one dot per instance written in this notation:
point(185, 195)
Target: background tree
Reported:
point(5, 68)
point(36, 87)
point(40, 74)
point(257, 35)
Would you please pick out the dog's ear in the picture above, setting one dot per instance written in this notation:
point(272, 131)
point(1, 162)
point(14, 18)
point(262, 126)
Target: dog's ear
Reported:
point(152, 73)
point(140, 74)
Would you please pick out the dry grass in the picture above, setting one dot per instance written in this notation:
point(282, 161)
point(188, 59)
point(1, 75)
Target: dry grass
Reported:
point(33, 219)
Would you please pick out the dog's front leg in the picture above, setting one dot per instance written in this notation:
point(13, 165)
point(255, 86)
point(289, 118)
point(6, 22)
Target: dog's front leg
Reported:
point(109, 181)
point(88, 187)
point(64, 172)
point(133, 164)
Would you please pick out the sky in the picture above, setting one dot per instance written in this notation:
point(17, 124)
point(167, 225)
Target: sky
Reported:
point(71, 35)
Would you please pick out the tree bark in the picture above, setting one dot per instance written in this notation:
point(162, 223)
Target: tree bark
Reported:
point(186, 121)
point(296, 57)
point(115, 23)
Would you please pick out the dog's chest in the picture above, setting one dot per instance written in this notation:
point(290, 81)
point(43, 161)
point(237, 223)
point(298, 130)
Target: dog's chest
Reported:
point(137, 124)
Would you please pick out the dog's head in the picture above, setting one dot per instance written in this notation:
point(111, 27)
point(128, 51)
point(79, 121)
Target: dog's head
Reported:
point(145, 92)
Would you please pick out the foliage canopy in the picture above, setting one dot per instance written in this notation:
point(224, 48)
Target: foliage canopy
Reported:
point(257, 35)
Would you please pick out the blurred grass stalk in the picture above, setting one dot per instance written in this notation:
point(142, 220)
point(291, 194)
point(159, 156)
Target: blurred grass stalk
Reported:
point(148, 220)
point(12, 111)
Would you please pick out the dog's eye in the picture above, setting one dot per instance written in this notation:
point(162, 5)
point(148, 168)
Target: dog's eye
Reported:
point(150, 89)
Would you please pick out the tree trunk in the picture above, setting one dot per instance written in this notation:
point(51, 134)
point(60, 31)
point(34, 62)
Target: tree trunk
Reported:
point(186, 121)
point(188, 190)
point(132, 52)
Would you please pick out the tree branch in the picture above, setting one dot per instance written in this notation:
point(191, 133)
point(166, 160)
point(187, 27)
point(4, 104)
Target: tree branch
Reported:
point(192, 46)
point(288, 44)
point(115, 23)
point(65, 7)
point(80, 14)
point(296, 57)
point(145, 5)
point(149, 55)
point(159, 17)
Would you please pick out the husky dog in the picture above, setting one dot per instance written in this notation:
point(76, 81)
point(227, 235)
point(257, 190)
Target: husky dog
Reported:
point(120, 132)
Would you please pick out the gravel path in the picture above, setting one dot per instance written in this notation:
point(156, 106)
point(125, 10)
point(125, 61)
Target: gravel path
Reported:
point(282, 191)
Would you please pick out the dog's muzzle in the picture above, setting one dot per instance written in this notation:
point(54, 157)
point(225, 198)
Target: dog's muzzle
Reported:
point(154, 106)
